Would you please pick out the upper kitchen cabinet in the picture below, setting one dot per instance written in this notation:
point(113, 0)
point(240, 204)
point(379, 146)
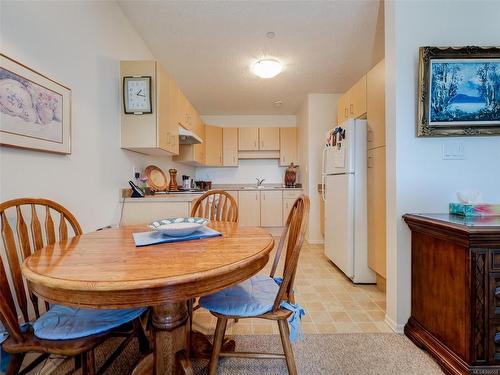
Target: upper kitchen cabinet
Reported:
point(213, 146)
point(248, 139)
point(230, 147)
point(193, 154)
point(353, 103)
point(288, 146)
point(375, 104)
point(269, 139)
point(342, 109)
point(357, 99)
point(154, 133)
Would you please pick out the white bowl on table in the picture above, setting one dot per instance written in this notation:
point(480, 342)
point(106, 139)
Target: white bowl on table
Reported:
point(178, 226)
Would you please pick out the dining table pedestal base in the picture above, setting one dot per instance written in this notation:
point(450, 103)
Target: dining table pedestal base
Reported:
point(170, 335)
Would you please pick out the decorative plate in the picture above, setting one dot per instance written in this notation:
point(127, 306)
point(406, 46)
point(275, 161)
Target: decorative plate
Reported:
point(156, 178)
point(178, 226)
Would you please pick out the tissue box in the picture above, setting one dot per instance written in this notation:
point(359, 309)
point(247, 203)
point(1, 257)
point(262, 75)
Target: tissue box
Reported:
point(481, 209)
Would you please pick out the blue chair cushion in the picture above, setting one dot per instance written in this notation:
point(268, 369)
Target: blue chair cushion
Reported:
point(65, 323)
point(252, 297)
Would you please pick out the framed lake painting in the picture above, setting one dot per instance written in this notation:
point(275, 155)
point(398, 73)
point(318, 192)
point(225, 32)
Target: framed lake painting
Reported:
point(459, 91)
point(35, 111)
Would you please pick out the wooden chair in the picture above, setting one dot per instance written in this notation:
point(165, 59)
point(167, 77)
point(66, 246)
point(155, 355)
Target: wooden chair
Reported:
point(21, 341)
point(216, 205)
point(294, 231)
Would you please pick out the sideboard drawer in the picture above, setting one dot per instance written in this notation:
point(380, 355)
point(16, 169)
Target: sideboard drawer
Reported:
point(495, 259)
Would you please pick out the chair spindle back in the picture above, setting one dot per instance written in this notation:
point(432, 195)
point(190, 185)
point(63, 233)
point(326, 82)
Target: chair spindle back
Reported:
point(294, 231)
point(216, 205)
point(19, 245)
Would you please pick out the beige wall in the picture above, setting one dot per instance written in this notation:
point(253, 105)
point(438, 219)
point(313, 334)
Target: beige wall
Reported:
point(79, 44)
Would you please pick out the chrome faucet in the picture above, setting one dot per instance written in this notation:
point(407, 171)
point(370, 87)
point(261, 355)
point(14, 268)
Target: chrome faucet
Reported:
point(259, 182)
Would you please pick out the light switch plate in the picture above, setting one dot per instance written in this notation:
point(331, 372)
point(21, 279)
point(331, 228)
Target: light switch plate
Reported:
point(453, 151)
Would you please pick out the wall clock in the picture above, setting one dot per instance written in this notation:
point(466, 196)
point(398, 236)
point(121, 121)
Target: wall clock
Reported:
point(137, 95)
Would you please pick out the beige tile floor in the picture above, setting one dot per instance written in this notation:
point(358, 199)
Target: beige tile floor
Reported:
point(332, 302)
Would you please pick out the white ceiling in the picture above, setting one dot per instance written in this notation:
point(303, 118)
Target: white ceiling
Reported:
point(208, 47)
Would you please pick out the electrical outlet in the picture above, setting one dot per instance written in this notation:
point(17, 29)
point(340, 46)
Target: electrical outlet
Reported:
point(453, 151)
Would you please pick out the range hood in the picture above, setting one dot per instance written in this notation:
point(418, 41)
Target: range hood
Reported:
point(188, 138)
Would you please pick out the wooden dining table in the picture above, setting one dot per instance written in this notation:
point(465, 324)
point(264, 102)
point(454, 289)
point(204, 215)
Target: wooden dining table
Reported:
point(105, 270)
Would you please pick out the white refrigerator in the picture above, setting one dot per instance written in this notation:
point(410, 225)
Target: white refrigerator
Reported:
point(344, 172)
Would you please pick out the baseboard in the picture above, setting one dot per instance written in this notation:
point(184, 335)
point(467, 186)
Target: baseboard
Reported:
point(398, 328)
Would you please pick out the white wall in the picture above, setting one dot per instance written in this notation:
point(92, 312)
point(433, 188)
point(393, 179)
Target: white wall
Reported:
point(316, 115)
point(246, 173)
point(80, 45)
point(418, 180)
point(248, 170)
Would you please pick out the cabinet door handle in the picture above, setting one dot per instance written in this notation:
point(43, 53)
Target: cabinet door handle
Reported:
point(346, 114)
point(350, 109)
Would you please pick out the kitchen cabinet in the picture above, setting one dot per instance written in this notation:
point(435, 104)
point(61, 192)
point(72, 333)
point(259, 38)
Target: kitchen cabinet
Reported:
point(269, 139)
point(375, 105)
point(353, 103)
point(376, 190)
point(213, 146)
point(249, 207)
point(153, 133)
point(288, 146)
point(271, 208)
point(289, 198)
point(342, 109)
point(193, 154)
point(258, 139)
point(144, 210)
point(230, 147)
point(357, 99)
point(248, 139)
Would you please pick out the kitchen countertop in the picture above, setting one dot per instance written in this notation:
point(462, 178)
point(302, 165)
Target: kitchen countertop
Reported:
point(237, 187)
point(189, 197)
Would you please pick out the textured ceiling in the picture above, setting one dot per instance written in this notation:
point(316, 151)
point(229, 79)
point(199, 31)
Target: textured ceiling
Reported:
point(209, 46)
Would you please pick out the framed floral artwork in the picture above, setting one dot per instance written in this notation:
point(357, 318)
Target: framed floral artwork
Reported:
point(35, 111)
point(459, 91)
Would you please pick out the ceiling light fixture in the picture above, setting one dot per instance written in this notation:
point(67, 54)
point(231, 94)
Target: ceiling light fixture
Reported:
point(270, 35)
point(267, 68)
point(277, 103)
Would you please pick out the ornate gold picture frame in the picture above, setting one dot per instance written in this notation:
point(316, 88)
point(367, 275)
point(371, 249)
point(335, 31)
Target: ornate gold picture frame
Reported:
point(458, 91)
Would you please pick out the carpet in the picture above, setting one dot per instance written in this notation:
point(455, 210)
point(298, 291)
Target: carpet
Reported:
point(358, 353)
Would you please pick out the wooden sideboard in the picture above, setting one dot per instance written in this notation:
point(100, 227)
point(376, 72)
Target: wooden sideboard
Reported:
point(455, 292)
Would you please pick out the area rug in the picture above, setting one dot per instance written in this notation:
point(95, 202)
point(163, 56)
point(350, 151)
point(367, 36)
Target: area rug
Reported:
point(343, 354)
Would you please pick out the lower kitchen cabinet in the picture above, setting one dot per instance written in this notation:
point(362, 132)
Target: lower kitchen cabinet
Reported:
point(146, 210)
point(271, 208)
point(249, 208)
